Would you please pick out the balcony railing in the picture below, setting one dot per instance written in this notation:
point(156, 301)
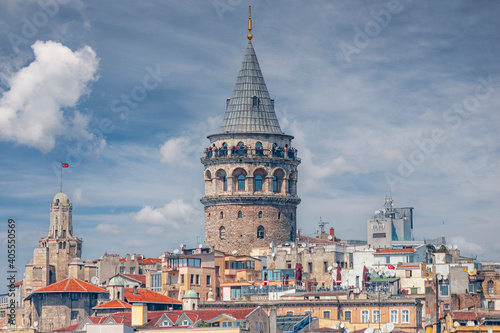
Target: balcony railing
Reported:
point(284, 153)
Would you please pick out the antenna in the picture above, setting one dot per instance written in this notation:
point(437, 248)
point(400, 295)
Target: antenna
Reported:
point(322, 225)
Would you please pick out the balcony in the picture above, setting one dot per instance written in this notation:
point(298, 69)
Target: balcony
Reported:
point(239, 152)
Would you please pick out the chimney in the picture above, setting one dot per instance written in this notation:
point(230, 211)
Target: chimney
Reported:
point(139, 314)
point(135, 290)
point(332, 232)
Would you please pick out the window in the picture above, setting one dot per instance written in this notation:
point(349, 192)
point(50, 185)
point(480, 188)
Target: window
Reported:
point(255, 101)
point(310, 266)
point(491, 287)
point(192, 279)
point(405, 316)
point(260, 232)
point(122, 269)
point(258, 183)
point(279, 216)
point(443, 290)
point(326, 314)
point(74, 296)
point(182, 278)
point(222, 233)
point(156, 282)
point(472, 288)
point(347, 316)
point(365, 316)
point(260, 215)
point(394, 316)
point(74, 315)
point(132, 270)
point(376, 316)
point(325, 264)
point(221, 215)
point(491, 305)
point(224, 183)
point(241, 183)
point(240, 215)
point(387, 260)
point(408, 273)
point(209, 280)
point(276, 184)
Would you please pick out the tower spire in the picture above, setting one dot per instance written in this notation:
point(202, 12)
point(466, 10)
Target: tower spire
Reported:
point(249, 36)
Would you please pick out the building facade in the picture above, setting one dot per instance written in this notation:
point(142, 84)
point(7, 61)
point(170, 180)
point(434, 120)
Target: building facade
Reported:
point(250, 170)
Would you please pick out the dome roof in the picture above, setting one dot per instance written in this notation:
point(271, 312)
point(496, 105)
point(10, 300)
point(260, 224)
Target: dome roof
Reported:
point(76, 261)
point(60, 198)
point(191, 293)
point(116, 281)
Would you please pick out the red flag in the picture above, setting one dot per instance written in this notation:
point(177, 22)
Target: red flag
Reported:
point(65, 165)
point(391, 267)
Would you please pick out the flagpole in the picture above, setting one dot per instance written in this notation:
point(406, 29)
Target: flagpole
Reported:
point(61, 177)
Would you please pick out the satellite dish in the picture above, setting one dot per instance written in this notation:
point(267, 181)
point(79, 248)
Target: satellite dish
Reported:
point(387, 273)
point(330, 268)
point(234, 252)
point(455, 247)
point(440, 277)
point(293, 245)
point(181, 245)
point(347, 330)
point(393, 274)
point(390, 327)
point(94, 280)
point(273, 255)
point(200, 246)
point(369, 330)
point(271, 245)
point(456, 324)
point(342, 325)
point(330, 237)
point(35, 324)
point(176, 251)
point(490, 330)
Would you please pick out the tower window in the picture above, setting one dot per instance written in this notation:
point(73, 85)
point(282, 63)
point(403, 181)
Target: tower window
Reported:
point(224, 183)
point(241, 182)
point(222, 233)
point(57, 202)
point(260, 215)
point(241, 144)
point(279, 215)
point(260, 232)
point(258, 183)
point(240, 215)
point(221, 215)
point(255, 101)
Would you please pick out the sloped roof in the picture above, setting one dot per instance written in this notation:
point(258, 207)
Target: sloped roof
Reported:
point(136, 277)
point(243, 114)
point(118, 317)
point(71, 285)
point(114, 304)
point(148, 296)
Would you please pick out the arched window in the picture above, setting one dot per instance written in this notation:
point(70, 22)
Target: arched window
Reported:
point(240, 215)
point(208, 175)
point(222, 179)
point(277, 180)
point(222, 233)
point(258, 183)
point(221, 215)
point(241, 182)
point(241, 144)
point(60, 245)
point(260, 215)
point(64, 245)
point(255, 101)
point(279, 216)
point(57, 202)
point(258, 145)
point(260, 232)
point(258, 149)
point(224, 183)
point(491, 287)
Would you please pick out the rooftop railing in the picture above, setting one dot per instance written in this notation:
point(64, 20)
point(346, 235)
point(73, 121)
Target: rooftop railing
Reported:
point(280, 152)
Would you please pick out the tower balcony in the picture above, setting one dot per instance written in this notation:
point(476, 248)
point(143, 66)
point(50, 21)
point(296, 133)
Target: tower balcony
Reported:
point(236, 152)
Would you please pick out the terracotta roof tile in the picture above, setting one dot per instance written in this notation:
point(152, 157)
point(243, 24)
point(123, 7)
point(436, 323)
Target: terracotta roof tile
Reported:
point(149, 261)
point(114, 304)
point(463, 315)
point(148, 296)
point(71, 285)
point(137, 277)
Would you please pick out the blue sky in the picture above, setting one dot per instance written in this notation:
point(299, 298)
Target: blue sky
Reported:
point(382, 97)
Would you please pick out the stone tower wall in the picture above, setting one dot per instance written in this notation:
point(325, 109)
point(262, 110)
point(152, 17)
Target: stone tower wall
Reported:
point(279, 224)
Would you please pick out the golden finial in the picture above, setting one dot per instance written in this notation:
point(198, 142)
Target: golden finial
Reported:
point(249, 36)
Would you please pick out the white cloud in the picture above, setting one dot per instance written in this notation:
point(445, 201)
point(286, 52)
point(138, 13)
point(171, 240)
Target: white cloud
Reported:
point(173, 214)
point(176, 151)
point(33, 111)
point(108, 228)
point(77, 197)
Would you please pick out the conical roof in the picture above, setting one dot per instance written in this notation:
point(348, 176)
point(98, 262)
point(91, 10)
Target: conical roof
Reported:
point(250, 109)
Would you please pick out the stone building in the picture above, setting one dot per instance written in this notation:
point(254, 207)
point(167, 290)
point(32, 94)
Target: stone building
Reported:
point(58, 255)
point(250, 170)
